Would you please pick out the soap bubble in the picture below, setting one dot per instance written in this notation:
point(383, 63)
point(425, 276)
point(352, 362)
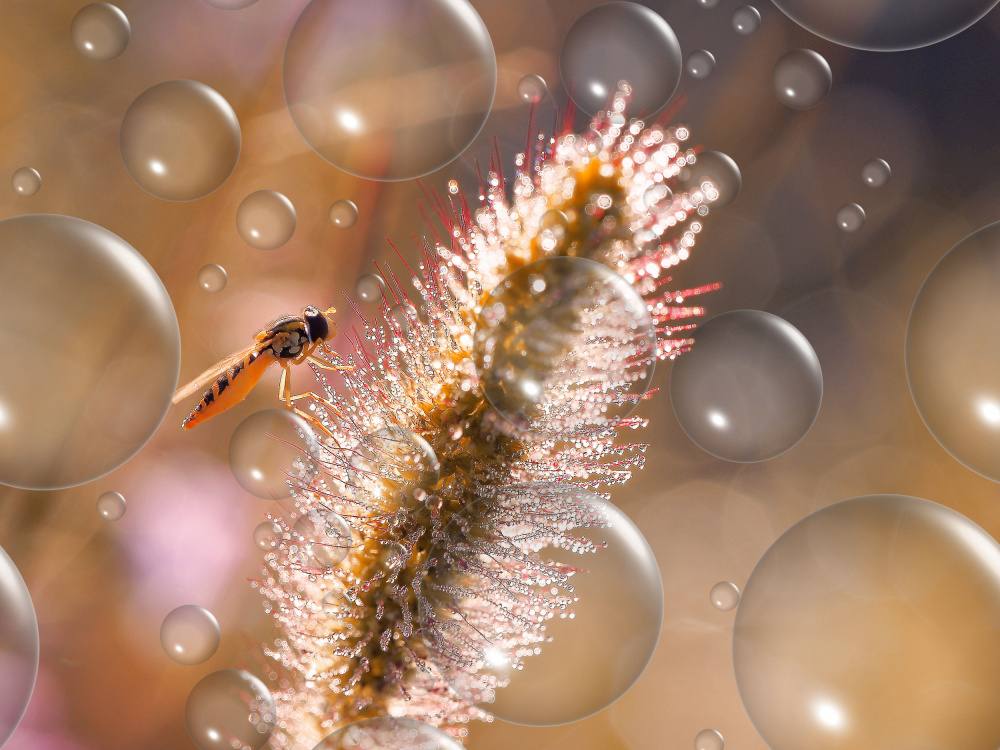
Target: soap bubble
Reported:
point(708, 739)
point(369, 288)
point(180, 140)
point(657, 198)
point(264, 449)
point(386, 733)
point(801, 79)
point(885, 25)
point(392, 468)
point(265, 220)
point(18, 647)
point(717, 168)
point(620, 42)
point(212, 278)
point(100, 32)
point(266, 535)
point(343, 214)
point(531, 88)
point(561, 338)
point(111, 506)
point(26, 181)
point(873, 623)
point(746, 19)
point(88, 399)
point(749, 389)
point(700, 63)
point(850, 217)
point(876, 172)
point(724, 596)
point(228, 709)
point(231, 4)
point(952, 357)
point(387, 93)
point(593, 657)
point(323, 538)
point(707, 4)
point(190, 634)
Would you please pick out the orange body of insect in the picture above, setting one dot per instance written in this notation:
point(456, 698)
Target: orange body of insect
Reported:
point(289, 340)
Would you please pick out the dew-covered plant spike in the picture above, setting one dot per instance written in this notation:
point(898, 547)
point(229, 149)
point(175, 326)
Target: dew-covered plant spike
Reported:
point(450, 505)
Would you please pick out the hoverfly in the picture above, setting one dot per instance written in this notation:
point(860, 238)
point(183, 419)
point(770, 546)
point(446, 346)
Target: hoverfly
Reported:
point(289, 340)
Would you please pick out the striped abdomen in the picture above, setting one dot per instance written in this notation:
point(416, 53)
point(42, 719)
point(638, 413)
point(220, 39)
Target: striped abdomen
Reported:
point(232, 386)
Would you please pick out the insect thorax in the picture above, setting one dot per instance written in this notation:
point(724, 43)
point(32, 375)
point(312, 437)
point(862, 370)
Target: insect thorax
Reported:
point(287, 337)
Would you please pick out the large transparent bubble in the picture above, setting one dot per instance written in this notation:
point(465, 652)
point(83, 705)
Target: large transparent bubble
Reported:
point(621, 42)
point(389, 89)
point(873, 622)
point(596, 652)
point(18, 647)
point(952, 356)
point(385, 733)
point(269, 449)
point(749, 389)
point(563, 340)
point(230, 709)
point(92, 351)
point(885, 25)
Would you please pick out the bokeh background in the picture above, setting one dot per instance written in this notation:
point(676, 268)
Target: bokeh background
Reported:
point(101, 589)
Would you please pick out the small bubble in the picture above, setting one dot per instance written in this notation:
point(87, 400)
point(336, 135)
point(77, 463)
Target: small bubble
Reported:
point(230, 4)
point(801, 79)
point(111, 506)
point(531, 88)
point(26, 181)
point(100, 32)
point(230, 705)
point(718, 169)
point(657, 197)
point(709, 739)
point(265, 220)
point(263, 448)
point(212, 278)
point(707, 4)
point(700, 63)
point(369, 288)
point(746, 19)
point(343, 214)
point(190, 635)
point(267, 535)
point(875, 173)
point(724, 596)
point(325, 538)
point(850, 217)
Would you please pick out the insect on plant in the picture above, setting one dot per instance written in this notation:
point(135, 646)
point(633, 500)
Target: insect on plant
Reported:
point(289, 340)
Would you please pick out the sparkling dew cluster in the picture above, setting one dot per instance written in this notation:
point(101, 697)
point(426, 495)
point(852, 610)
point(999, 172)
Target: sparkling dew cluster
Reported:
point(439, 572)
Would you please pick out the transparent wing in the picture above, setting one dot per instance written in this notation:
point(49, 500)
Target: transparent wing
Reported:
point(212, 373)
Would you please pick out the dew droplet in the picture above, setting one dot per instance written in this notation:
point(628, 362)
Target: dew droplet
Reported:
point(266, 535)
point(229, 709)
point(884, 25)
point(26, 181)
point(749, 389)
point(100, 411)
point(18, 647)
point(265, 219)
point(532, 88)
point(850, 217)
point(875, 173)
point(100, 32)
point(713, 171)
point(453, 187)
point(264, 448)
point(180, 140)
point(620, 42)
point(724, 596)
point(111, 506)
point(709, 739)
point(386, 93)
point(386, 733)
point(190, 634)
point(746, 19)
point(369, 288)
point(212, 278)
point(801, 79)
point(324, 538)
point(343, 214)
point(700, 64)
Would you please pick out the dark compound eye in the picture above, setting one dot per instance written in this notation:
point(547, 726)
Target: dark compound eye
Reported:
point(317, 326)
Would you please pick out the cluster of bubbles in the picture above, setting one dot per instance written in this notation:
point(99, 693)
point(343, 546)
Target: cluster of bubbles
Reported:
point(749, 389)
point(874, 173)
